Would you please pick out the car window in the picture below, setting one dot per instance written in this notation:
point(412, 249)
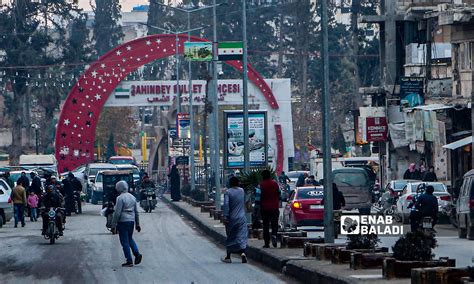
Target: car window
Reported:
point(398, 185)
point(99, 178)
point(3, 188)
point(470, 188)
point(350, 179)
point(294, 174)
point(439, 188)
point(310, 193)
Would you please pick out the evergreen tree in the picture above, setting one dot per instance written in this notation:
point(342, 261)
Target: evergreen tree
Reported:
point(107, 31)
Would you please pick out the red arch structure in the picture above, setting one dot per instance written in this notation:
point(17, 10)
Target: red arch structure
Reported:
point(75, 133)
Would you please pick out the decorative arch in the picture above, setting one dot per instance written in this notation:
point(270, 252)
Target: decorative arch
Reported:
point(75, 133)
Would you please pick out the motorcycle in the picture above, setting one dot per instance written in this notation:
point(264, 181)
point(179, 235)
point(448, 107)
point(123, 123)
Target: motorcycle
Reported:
point(52, 232)
point(449, 210)
point(148, 203)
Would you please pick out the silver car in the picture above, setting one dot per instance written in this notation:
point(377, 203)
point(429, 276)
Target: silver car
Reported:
point(6, 207)
point(409, 192)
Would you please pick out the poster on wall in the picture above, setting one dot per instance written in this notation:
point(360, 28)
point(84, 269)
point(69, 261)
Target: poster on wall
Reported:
point(234, 139)
point(411, 91)
point(184, 126)
point(376, 129)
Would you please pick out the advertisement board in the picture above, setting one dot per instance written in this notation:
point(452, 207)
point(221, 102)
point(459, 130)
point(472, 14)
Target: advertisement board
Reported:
point(234, 139)
point(376, 129)
point(198, 51)
point(183, 125)
point(411, 91)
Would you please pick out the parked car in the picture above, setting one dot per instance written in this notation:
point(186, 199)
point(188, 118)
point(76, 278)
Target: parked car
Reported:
point(122, 160)
point(293, 176)
point(304, 208)
point(356, 185)
point(409, 192)
point(465, 207)
point(398, 185)
point(90, 174)
point(6, 206)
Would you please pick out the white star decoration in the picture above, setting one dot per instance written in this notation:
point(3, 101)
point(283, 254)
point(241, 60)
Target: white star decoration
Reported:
point(158, 41)
point(94, 73)
point(129, 48)
point(75, 125)
point(97, 97)
point(138, 59)
point(148, 42)
point(102, 65)
point(118, 52)
point(66, 122)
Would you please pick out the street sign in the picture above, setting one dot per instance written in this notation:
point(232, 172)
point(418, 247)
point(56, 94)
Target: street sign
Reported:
point(234, 140)
point(231, 50)
point(183, 125)
point(198, 51)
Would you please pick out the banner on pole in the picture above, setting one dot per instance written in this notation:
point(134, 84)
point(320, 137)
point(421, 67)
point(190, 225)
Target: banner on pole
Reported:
point(198, 51)
point(184, 126)
point(231, 50)
point(234, 139)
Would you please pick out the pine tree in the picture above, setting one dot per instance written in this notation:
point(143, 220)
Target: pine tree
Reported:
point(107, 31)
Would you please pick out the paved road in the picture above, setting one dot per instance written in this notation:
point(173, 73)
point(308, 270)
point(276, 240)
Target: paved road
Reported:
point(88, 253)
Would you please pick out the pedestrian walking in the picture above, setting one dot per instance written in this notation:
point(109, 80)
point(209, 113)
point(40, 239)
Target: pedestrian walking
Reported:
point(124, 221)
point(33, 200)
point(412, 173)
point(18, 197)
point(235, 221)
point(68, 190)
point(24, 181)
point(35, 184)
point(267, 199)
point(175, 184)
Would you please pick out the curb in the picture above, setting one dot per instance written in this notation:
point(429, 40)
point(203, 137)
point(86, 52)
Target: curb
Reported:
point(279, 264)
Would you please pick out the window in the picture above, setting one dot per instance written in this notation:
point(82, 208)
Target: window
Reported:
point(465, 55)
point(350, 179)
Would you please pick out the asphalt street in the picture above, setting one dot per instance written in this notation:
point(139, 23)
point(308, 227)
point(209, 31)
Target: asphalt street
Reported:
point(173, 252)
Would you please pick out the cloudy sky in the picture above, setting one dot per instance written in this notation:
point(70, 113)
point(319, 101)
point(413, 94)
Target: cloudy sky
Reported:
point(127, 5)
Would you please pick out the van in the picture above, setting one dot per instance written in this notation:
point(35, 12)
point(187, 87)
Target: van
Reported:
point(45, 162)
point(465, 207)
point(356, 185)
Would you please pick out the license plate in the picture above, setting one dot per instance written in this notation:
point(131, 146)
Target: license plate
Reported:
point(316, 207)
point(427, 225)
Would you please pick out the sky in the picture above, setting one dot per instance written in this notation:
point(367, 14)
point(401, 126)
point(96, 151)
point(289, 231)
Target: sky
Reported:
point(127, 5)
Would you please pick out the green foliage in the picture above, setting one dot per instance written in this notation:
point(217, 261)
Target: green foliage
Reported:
point(251, 179)
point(415, 246)
point(107, 31)
point(362, 241)
point(110, 147)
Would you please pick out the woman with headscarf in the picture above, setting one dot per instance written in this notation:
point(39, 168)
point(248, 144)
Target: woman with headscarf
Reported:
point(412, 173)
point(235, 221)
point(175, 184)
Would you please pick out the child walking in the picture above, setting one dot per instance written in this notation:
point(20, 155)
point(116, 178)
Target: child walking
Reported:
point(33, 204)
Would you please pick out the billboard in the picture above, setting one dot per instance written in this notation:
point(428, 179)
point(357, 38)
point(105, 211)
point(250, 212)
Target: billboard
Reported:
point(184, 126)
point(234, 139)
point(376, 129)
point(411, 91)
point(198, 51)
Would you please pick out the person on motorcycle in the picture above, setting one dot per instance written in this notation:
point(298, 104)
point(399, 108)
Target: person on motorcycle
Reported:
point(146, 183)
point(426, 205)
point(52, 199)
point(387, 199)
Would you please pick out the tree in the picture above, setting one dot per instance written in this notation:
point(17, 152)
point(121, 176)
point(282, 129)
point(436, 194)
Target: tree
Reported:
point(110, 146)
point(107, 31)
point(118, 121)
point(29, 43)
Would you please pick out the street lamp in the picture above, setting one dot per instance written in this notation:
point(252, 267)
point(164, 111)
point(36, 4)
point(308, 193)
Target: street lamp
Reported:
point(191, 114)
point(36, 128)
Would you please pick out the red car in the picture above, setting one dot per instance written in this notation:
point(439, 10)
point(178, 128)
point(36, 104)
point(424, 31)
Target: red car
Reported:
point(304, 207)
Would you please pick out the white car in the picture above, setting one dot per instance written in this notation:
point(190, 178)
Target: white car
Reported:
point(398, 185)
point(6, 207)
point(134, 169)
point(410, 190)
point(97, 188)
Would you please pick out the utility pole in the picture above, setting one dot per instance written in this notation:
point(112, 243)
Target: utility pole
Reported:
point(177, 74)
point(214, 119)
point(245, 90)
point(191, 115)
point(328, 196)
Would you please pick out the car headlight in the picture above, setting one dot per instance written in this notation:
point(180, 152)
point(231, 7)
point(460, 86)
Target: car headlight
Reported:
point(51, 213)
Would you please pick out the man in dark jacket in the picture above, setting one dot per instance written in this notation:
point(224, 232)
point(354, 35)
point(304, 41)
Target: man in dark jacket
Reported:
point(52, 199)
point(268, 200)
point(426, 206)
point(35, 186)
point(24, 181)
point(338, 201)
point(68, 191)
point(430, 175)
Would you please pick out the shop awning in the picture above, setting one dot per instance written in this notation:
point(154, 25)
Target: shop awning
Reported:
point(459, 143)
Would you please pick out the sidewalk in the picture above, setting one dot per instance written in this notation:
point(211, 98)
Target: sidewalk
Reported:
point(291, 262)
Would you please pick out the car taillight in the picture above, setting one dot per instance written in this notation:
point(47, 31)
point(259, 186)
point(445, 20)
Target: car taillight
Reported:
point(445, 198)
point(410, 197)
point(297, 205)
point(471, 204)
